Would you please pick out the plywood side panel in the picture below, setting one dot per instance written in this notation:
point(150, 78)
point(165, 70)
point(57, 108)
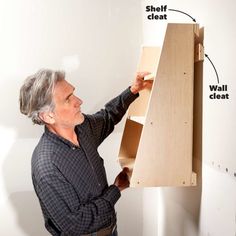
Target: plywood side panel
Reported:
point(164, 156)
point(149, 60)
point(130, 139)
point(197, 120)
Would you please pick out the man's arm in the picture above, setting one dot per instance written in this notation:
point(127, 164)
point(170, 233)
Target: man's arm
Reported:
point(140, 83)
point(71, 216)
point(102, 123)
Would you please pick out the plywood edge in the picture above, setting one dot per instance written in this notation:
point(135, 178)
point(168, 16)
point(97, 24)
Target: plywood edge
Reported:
point(196, 30)
point(150, 76)
point(199, 35)
point(198, 113)
point(138, 119)
point(139, 182)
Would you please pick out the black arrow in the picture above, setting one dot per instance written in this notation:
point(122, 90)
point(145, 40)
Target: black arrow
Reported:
point(183, 13)
point(213, 67)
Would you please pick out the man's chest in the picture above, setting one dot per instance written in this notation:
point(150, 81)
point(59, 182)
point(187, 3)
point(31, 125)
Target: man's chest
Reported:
point(83, 169)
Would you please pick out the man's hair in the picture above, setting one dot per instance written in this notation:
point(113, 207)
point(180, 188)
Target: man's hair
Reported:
point(36, 94)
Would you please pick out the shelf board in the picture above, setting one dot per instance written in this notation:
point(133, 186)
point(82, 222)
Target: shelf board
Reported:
point(138, 119)
point(127, 162)
point(150, 77)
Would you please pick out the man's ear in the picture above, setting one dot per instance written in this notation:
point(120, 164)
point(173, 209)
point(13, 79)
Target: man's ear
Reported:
point(47, 117)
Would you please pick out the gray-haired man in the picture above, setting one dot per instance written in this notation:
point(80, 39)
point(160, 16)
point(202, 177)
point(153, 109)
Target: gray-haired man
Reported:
point(67, 171)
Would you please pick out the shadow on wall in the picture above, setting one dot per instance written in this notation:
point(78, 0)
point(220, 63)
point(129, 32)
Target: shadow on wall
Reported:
point(11, 117)
point(20, 212)
point(27, 209)
point(181, 211)
point(181, 206)
point(21, 207)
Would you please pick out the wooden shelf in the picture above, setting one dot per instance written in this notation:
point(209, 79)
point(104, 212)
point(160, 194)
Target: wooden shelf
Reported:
point(149, 59)
point(138, 119)
point(163, 128)
point(150, 77)
point(130, 139)
point(127, 162)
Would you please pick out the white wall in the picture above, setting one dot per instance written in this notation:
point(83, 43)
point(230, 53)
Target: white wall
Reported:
point(210, 208)
point(98, 43)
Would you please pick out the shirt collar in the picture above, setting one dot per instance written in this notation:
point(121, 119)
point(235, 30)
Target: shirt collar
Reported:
point(59, 139)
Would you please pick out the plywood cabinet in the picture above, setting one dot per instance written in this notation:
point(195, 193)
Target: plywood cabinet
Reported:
point(161, 136)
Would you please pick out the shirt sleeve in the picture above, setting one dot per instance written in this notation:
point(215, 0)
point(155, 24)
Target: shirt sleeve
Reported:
point(102, 123)
point(68, 214)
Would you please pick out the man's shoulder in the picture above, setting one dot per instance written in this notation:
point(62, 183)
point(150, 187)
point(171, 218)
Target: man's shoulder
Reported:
point(45, 147)
point(86, 126)
point(42, 157)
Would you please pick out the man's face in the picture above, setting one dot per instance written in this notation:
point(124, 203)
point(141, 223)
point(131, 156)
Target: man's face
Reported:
point(67, 111)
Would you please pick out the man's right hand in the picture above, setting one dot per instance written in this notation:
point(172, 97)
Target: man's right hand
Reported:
point(122, 179)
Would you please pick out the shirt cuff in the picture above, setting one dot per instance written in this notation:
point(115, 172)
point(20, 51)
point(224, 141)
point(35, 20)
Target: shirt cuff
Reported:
point(112, 194)
point(129, 96)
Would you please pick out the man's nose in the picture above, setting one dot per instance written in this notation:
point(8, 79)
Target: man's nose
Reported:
point(79, 102)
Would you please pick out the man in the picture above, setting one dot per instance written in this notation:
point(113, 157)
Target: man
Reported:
point(67, 172)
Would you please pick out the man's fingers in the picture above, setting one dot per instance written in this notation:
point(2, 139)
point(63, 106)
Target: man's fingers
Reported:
point(147, 83)
point(125, 170)
point(149, 77)
point(141, 75)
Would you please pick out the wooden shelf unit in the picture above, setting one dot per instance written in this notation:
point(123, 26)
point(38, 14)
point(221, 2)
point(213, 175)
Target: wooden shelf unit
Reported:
point(158, 138)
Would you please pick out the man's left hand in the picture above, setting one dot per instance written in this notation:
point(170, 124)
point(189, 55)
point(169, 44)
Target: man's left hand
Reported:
point(139, 82)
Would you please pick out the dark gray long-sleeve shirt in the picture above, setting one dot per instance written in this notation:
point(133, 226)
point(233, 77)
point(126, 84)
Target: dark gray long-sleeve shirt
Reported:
point(70, 181)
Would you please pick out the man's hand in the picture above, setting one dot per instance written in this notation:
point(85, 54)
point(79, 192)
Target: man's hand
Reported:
point(139, 82)
point(122, 179)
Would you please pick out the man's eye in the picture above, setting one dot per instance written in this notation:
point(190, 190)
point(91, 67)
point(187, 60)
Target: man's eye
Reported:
point(69, 98)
